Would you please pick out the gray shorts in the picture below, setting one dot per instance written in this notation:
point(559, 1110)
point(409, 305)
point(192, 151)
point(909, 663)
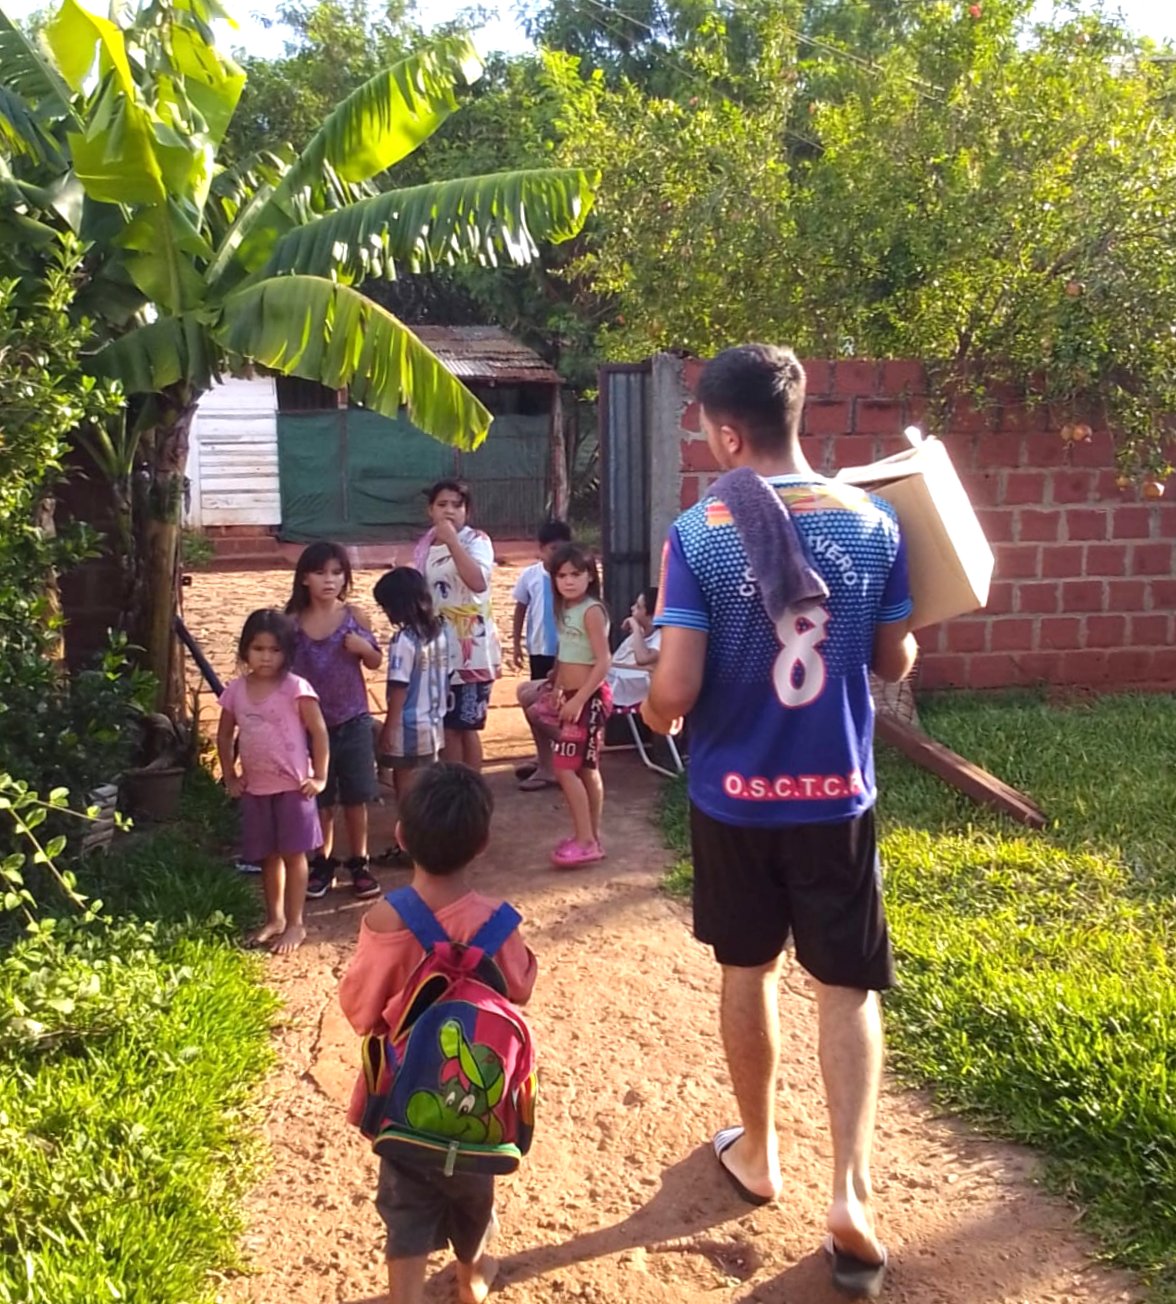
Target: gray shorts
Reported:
point(351, 775)
point(425, 1211)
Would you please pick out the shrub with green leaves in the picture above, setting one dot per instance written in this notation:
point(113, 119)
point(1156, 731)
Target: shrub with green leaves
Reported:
point(54, 730)
point(132, 1037)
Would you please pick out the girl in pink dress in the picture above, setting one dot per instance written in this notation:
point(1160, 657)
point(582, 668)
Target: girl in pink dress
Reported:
point(273, 713)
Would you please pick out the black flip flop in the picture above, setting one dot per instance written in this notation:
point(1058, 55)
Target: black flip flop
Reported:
point(393, 856)
point(722, 1141)
point(853, 1276)
point(525, 771)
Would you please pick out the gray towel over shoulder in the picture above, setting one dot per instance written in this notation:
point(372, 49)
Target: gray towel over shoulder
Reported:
point(778, 557)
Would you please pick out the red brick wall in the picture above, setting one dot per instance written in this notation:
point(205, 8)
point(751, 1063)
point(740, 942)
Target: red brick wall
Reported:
point(1083, 593)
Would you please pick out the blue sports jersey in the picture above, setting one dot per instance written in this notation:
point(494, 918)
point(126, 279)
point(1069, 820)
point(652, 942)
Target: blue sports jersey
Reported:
point(783, 729)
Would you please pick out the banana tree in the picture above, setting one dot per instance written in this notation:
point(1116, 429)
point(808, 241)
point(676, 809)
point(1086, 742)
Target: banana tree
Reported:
point(112, 127)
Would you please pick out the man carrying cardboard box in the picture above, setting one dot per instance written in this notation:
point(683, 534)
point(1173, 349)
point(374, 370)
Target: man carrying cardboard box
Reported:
point(774, 608)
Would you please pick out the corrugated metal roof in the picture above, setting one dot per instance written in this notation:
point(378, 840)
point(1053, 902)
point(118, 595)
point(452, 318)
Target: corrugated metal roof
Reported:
point(486, 353)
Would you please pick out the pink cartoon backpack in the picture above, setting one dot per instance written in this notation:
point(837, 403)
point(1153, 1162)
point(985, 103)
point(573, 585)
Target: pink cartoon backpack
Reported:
point(452, 1085)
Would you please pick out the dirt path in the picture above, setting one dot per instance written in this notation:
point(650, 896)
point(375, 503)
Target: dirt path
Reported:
point(619, 1200)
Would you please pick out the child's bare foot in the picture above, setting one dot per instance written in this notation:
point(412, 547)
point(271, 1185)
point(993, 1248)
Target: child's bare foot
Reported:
point(290, 940)
point(267, 932)
point(475, 1280)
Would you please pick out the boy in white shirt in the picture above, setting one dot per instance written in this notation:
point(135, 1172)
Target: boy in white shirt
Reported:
point(535, 609)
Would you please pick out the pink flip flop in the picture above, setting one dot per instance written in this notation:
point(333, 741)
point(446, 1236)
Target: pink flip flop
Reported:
point(573, 855)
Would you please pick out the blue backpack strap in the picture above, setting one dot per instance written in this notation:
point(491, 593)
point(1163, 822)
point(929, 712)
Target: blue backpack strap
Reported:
point(494, 932)
point(417, 917)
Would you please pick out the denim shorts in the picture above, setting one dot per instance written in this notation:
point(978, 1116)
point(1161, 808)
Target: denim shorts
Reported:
point(424, 1211)
point(351, 776)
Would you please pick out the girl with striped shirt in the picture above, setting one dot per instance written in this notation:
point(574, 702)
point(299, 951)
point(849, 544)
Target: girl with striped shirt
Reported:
point(418, 677)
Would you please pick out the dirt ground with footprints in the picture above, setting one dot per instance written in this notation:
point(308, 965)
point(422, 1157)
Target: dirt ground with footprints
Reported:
point(620, 1201)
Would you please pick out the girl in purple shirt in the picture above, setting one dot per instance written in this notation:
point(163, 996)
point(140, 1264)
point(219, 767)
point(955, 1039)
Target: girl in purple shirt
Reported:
point(334, 643)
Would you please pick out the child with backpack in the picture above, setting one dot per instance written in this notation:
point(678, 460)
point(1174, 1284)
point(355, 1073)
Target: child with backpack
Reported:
point(447, 1096)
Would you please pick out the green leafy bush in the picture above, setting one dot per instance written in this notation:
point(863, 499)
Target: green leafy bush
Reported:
point(131, 1039)
point(55, 731)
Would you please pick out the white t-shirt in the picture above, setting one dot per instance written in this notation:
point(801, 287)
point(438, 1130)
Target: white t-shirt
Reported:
point(534, 591)
point(468, 614)
point(629, 681)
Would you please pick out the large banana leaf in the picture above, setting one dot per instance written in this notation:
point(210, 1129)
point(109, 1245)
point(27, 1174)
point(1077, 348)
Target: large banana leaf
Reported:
point(306, 326)
point(24, 71)
point(74, 34)
point(378, 124)
point(115, 156)
point(212, 83)
point(21, 133)
point(164, 353)
point(485, 219)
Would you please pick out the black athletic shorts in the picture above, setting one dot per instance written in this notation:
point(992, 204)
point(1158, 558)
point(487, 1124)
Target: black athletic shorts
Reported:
point(539, 666)
point(425, 1211)
point(819, 883)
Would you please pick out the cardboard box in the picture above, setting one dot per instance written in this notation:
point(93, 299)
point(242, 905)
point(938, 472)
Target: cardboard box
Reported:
point(949, 558)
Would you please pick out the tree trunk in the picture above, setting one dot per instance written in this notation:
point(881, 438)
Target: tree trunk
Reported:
point(160, 556)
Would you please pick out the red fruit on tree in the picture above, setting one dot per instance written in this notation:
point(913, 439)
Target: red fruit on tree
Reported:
point(975, 11)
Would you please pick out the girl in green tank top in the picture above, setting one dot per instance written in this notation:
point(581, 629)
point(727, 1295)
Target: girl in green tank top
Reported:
point(581, 698)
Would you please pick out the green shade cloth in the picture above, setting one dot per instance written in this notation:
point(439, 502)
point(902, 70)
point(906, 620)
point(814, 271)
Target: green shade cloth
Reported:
point(354, 475)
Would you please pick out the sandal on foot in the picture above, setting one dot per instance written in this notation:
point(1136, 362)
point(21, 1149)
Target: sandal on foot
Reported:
point(853, 1276)
point(536, 783)
point(395, 855)
point(722, 1141)
point(573, 855)
point(525, 771)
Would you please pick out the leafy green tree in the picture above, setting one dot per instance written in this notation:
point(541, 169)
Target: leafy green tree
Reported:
point(194, 270)
point(54, 731)
point(334, 47)
point(946, 181)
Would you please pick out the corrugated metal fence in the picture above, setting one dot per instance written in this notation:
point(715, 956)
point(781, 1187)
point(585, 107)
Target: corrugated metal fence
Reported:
point(625, 391)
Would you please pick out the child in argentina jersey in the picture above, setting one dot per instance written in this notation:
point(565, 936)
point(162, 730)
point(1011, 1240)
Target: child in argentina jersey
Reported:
point(419, 665)
point(782, 732)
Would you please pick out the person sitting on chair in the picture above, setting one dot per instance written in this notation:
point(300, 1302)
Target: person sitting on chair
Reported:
point(634, 659)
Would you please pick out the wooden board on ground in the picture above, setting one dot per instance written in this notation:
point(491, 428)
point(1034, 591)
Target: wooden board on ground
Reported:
point(970, 779)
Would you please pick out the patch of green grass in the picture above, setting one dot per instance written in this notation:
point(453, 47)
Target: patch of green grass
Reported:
point(1038, 971)
point(130, 1055)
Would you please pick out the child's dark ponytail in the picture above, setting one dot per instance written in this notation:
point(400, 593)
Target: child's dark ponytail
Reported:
point(403, 596)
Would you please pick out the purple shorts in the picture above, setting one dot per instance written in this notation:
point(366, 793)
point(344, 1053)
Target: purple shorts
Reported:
point(281, 824)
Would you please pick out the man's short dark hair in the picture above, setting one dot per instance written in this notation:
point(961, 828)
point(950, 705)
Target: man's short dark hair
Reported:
point(554, 532)
point(445, 818)
point(760, 388)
